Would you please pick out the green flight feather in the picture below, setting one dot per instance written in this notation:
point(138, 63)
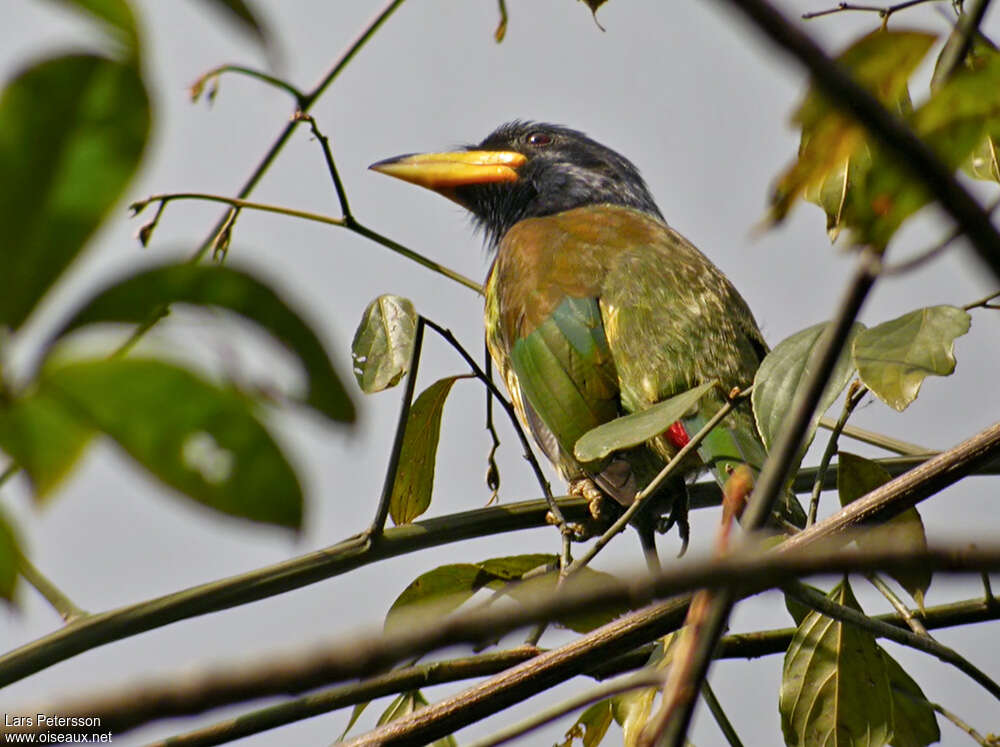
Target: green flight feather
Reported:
point(565, 371)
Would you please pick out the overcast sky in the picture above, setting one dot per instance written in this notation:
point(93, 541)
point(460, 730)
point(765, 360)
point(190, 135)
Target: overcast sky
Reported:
point(695, 97)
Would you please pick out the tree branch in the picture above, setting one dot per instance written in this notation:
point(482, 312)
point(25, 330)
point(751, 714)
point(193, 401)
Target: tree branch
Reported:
point(750, 572)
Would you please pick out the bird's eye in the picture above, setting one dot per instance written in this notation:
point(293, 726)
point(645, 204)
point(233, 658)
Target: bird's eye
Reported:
point(539, 138)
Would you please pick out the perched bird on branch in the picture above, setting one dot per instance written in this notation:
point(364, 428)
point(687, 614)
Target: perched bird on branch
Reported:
point(595, 307)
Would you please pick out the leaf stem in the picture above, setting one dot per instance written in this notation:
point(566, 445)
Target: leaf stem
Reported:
point(271, 80)
point(52, 594)
point(897, 604)
point(854, 396)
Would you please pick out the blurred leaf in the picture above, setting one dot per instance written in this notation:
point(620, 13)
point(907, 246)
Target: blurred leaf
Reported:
point(72, 131)
point(784, 370)
point(831, 193)
point(436, 593)
point(137, 298)
point(411, 493)
point(914, 721)
point(244, 17)
point(857, 476)
point(542, 587)
point(446, 588)
point(383, 345)
point(43, 438)
point(591, 727)
point(200, 439)
point(631, 710)
point(835, 683)
point(515, 566)
point(894, 358)
point(984, 162)
point(632, 430)
point(9, 552)
point(116, 15)
point(953, 123)
point(881, 62)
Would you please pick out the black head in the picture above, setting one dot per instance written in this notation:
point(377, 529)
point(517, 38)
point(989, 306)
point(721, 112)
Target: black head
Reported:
point(548, 169)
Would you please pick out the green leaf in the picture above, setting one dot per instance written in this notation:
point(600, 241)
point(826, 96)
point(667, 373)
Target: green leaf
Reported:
point(244, 17)
point(953, 123)
point(592, 725)
point(632, 430)
point(857, 476)
point(406, 703)
point(200, 439)
point(72, 131)
point(355, 715)
point(881, 62)
point(914, 721)
point(43, 438)
point(9, 553)
point(514, 566)
point(894, 358)
point(543, 586)
point(411, 493)
point(631, 710)
point(383, 345)
point(136, 298)
point(116, 16)
point(436, 593)
point(444, 589)
point(781, 374)
point(835, 683)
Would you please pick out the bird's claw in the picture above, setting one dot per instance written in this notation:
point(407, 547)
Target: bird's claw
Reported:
point(585, 488)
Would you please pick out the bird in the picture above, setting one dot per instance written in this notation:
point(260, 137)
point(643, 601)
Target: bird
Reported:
point(595, 307)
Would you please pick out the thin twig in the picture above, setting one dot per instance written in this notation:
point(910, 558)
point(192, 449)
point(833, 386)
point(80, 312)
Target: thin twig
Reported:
point(880, 440)
point(931, 252)
point(715, 707)
point(854, 396)
point(635, 681)
point(984, 741)
point(883, 587)
point(982, 303)
point(354, 226)
point(212, 76)
point(377, 527)
point(52, 594)
point(884, 11)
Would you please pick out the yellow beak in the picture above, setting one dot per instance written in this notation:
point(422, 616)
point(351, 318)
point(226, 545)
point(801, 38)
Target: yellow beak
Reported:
point(442, 172)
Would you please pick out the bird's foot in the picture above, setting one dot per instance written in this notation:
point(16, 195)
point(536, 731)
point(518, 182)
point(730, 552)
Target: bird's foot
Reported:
point(584, 487)
point(679, 516)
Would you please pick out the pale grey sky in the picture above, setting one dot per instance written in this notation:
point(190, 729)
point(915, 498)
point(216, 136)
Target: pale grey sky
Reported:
point(691, 94)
